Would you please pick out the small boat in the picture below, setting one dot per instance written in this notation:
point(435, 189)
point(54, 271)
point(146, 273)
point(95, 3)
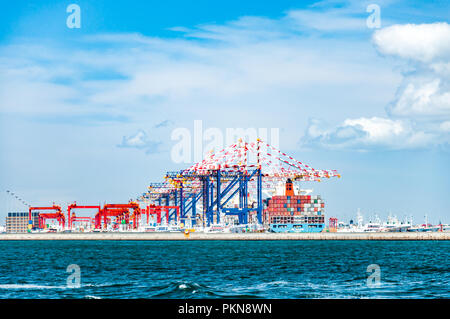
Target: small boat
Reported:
point(149, 228)
point(216, 228)
point(372, 227)
point(238, 228)
point(161, 228)
point(425, 227)
point(394, 225)
point(174, 229)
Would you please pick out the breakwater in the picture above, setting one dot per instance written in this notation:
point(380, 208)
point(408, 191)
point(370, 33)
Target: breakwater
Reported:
point(226, 236)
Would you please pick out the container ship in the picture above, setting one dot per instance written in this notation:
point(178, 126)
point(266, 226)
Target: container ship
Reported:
point(295, 210)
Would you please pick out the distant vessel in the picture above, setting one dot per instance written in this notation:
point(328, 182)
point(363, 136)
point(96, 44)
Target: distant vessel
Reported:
point(394, 225)
point(149, 228)
point(216, 228)
point(174, 229)
point(162, 228)
point(372, 227)
point(391, 225)
point(425, 227)
point(238, 228)
point(352, 227)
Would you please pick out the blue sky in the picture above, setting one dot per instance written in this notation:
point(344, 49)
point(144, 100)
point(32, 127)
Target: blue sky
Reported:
point(372, 103)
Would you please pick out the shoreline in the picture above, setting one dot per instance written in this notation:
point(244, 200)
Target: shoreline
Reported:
point(225, 236)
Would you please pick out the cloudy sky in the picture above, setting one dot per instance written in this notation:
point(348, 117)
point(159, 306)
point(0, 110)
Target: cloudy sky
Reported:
point(86, 113)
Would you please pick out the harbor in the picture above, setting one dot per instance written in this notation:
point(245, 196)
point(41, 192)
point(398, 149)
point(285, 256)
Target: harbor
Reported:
point(247, 191)
point(245, 187)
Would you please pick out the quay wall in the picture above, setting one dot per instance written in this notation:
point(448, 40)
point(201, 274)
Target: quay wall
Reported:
point(226, 236)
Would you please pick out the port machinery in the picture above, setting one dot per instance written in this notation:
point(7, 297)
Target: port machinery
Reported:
point(204, 191)
point(72, 218)
point(121, 212)
point(240, 171)
point(56, 214)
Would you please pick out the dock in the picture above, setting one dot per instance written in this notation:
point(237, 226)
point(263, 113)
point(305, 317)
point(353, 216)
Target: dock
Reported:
point(225, 236)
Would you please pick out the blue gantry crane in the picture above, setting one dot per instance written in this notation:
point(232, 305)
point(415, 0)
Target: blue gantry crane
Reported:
point(232, 173)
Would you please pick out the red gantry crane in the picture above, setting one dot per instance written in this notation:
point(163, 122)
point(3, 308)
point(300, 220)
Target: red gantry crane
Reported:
point(58, 215)
point(120, 211)
point(131, 205)
point(105, 214)
point(72, 218)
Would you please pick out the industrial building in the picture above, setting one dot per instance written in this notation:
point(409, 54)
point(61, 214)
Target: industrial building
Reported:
point(17, 222)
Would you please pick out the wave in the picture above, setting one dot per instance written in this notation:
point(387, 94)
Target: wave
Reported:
point(428, 270)
point(182, 289)
point(30, 286)
point(37, 287)
point(107, 285)
point(189, 289)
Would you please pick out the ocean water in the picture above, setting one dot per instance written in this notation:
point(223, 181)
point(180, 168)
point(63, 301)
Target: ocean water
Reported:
point(225, 269)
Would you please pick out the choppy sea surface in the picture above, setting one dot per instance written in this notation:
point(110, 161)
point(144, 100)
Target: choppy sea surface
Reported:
point(225, 269)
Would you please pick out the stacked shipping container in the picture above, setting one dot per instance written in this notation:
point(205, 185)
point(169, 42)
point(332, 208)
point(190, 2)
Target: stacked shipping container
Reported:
point(305, 211)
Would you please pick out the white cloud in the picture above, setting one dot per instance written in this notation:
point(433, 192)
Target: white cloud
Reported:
point(418, 42)
point(126, 74)
point(378, 129)
point(328, 21)
point(445, 126)
point(418, 116)
point(164, 123)
point(250, 29)
point(366, 133)
point(426, 85)
point(423, 97)
point(244, 69)
point(140, 140)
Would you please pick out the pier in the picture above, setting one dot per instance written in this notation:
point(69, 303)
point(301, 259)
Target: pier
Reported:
point(226, 236)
